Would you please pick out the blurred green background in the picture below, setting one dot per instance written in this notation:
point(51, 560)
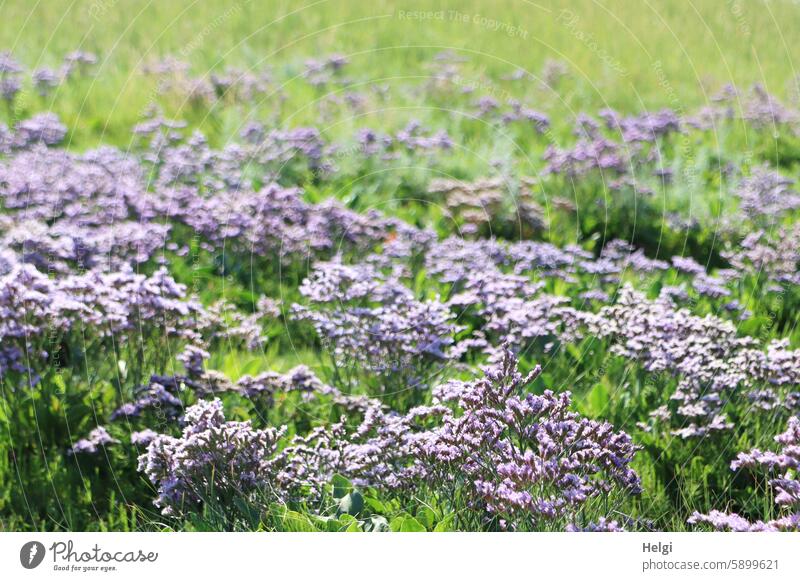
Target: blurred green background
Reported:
point(621, 54)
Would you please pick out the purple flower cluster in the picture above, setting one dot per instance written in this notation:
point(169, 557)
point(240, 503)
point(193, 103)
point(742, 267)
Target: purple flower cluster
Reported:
point(96, 441)
point(769, 256)
point(10, 82)
point(766, 193)
point(603, 525)
point(512, 458)
point(518, 459)
point(265, 386)
point(212, 462)
point(37, 312)
point(647, 127)
point(529, 458)
point(374, 322)
point(94, 211)
point(781, 468)
point(322, 72)
point(713, 364)
point(413, 138)
point(231, 84)
point(489, 107)
point(587, 155)
point(76, 211)
point(764, 110)
point(159, 397)
point(75, 64)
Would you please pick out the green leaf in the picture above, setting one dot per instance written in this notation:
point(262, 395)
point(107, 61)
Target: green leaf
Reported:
point(297, 522)
point(61, 386)
point(351, 504)
point(426, 517)
point(375, 504)
point(598, 398)
point(444, 525)
point(406, 524)
point(327, 524)
point(341, 486)
point(574, 351)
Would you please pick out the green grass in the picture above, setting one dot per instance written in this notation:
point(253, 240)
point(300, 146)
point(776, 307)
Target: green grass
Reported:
point(620, 54)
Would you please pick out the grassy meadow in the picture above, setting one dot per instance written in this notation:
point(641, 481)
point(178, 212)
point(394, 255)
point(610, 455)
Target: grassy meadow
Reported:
point(454, 93)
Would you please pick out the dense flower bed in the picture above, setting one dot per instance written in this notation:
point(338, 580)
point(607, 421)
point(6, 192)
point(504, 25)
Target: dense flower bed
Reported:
point(466, 368)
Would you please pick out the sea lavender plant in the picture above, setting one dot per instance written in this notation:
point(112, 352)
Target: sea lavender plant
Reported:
point(373, 326)
point(97, 440)
point(10, 83)
point(781, 470)
point(212, 463)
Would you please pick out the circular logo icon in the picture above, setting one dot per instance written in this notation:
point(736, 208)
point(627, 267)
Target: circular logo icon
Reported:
point(31, 554)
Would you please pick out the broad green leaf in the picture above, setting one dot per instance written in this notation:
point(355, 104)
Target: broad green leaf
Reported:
point(598, 399)
point(341, 485)
point(406, 524)
point(351, 504)
point(446, 524)
point(426, 517)
point(297, 522)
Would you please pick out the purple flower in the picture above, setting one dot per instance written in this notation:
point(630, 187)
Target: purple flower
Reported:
point(97, 439)
point(782, 468)
point(213, 461)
